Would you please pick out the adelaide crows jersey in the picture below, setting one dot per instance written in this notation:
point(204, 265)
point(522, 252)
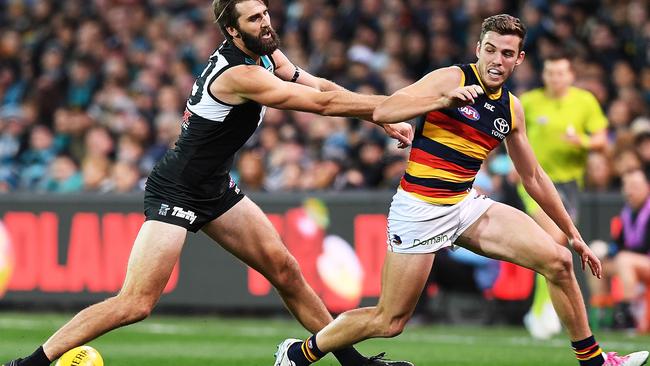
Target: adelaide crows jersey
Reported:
point(451, 144)
point(212, 131)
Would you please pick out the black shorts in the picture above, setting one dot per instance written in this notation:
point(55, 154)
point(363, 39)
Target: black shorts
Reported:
point(190, 214)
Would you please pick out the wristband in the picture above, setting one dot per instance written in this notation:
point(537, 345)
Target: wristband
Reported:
point(296, 74)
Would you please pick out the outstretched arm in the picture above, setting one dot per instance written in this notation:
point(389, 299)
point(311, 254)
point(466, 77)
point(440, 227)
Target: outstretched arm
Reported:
point(287, 71)
point(541, 189)
point(439, 89)
point(255, 83)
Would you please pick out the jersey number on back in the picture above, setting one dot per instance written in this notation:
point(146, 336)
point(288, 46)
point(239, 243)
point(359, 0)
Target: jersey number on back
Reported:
point(197, 89)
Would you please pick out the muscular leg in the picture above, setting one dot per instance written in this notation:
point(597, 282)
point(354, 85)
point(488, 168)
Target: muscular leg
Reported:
point(545, 222)
point(508, 234)
point(541, 320)
point(403, 278)
point(246, 232)
point(632, 268)
point(599, 288)
point(154, 254)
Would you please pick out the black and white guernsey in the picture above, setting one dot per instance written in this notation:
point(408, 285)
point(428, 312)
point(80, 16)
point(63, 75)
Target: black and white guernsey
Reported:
point(198, 167)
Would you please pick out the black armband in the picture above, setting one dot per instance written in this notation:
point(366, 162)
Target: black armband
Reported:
point(296, 74)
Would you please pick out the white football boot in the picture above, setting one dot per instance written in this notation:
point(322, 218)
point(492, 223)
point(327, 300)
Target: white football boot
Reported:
point(633, 359)
point(281, 356)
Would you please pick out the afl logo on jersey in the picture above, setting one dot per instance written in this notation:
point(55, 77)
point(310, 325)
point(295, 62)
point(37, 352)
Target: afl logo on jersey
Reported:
point(469, 112)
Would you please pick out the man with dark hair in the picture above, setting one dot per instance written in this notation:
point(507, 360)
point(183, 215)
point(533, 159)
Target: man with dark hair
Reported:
point(435, 206)
point(563, 124)
point(190, 188)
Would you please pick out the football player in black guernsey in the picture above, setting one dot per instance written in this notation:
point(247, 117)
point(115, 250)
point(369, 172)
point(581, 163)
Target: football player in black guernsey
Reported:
point(191, 189)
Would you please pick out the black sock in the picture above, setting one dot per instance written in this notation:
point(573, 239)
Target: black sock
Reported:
point(305, 353)
point(38, 358)
point(349, 357)
point(588, 352)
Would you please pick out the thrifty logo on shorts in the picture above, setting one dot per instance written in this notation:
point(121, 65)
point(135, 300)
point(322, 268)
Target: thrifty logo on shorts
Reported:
point(435, 240)
point(184, 214)
point(178, 212)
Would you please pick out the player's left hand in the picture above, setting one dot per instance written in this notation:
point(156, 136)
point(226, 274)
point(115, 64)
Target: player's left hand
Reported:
point(402, 132)
point(587, 257)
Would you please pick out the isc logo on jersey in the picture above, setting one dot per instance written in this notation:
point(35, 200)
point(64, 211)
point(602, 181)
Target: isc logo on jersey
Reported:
point(469, 112)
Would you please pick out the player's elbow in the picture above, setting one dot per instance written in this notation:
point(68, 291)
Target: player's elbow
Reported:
point(326, 104)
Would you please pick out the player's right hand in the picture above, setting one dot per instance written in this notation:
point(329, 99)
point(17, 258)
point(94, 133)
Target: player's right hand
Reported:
point(587, 256)
point(461, 96)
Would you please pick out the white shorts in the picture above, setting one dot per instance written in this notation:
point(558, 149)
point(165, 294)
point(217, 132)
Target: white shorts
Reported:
point(416, 226)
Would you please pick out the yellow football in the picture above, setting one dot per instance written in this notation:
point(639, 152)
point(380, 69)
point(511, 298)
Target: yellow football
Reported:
point(81, 356)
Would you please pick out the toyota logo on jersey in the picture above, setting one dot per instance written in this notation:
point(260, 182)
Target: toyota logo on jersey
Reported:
point(469, 112)
point(502, 125)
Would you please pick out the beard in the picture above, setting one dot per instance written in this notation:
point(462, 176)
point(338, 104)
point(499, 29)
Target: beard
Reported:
point(261, 46)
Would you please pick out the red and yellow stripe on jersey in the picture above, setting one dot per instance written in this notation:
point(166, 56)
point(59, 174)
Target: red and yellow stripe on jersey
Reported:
point(451, 144)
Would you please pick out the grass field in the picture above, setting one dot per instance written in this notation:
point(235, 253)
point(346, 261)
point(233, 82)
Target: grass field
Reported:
point(167, 340)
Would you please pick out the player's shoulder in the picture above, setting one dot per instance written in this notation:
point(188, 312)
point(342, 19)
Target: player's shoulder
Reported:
point(516, 104)
point(233, 55)
point(452, 75)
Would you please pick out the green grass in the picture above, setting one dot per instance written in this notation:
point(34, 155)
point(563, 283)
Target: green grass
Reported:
point(167, 340)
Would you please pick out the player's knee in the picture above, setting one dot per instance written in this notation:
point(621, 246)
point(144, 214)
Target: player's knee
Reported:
point(388, 326)
point(133, 308)
point(394, 327)
point(560, 267)
point(286, 273)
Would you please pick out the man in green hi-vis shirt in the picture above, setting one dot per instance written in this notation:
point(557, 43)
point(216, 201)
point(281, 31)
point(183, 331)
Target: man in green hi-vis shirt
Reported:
point(563, 123)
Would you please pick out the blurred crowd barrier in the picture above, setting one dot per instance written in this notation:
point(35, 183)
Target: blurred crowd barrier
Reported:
point(71, 251)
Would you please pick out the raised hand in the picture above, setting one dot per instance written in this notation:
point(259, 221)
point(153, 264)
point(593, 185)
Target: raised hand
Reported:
point(461, 96)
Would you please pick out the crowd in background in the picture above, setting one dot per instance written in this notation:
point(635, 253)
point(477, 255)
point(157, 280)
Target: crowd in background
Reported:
point(92, 92)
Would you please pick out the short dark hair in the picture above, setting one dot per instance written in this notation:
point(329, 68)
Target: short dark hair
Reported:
point(226, 15)
point(561, 54)
point(504, 24)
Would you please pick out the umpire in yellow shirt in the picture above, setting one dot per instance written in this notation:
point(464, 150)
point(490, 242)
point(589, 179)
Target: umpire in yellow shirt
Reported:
point(563, 123)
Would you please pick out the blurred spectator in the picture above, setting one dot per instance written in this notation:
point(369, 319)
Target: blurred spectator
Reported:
point(12, 129)
point(82, 83)
point(63, 176)
point(99, 142)
point(599, 176)
point(95, 171)
point(628, 258)
point(35, 160)
point(641, 131)
point(625, 160)
point(250, 168)
point(125, 178)
point(620, 117)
